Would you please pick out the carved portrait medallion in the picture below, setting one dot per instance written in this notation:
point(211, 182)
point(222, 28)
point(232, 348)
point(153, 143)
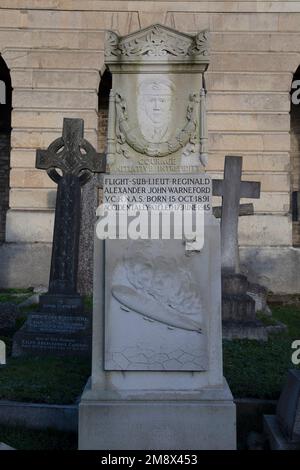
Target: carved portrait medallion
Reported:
point(154, 109)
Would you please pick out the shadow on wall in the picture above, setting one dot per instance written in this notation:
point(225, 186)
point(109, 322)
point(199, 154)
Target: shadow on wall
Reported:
point(295, 158)
point(91, 195)
point(5, 131)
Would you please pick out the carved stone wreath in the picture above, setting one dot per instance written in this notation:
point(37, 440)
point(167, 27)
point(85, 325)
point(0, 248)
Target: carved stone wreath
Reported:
point(126, 134)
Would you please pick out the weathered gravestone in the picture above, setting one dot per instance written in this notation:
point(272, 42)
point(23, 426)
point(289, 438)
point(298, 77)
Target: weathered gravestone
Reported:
point(283, 429)
point(238, 307)
point(61, 326)
point(157, 376)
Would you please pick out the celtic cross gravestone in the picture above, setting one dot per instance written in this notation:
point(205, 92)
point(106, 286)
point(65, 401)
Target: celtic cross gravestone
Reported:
point(60, 326)
point(76, 158)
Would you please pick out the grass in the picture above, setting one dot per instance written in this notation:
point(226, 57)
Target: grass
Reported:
point(49, 380)
point(290, 315)
point(28, 439)
point(43, 380)
point(15, 291)
point(258, 369)
point(267, 320)
point(88, 302)
point(15, 295)
point(253, 369)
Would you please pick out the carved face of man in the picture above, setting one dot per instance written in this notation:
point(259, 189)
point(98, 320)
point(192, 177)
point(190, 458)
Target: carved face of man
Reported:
point(154, 109)
point(157, 108)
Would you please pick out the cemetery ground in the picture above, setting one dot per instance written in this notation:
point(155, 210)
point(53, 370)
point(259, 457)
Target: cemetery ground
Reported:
point(254, 370)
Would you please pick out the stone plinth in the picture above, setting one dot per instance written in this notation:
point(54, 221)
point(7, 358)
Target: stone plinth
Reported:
point(195, 420)
point(152, 407)
point(236, 304)
point(239, 311)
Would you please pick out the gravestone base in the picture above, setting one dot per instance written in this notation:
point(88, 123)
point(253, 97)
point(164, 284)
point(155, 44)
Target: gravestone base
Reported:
point(192, 420)
point(236, 304)
point(54, 335)
point(239, 319)
point(244, 330)
point(238, 307)
point(276, 438)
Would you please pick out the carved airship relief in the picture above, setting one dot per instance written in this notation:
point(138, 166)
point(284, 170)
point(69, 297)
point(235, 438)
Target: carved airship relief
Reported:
point(160, 290)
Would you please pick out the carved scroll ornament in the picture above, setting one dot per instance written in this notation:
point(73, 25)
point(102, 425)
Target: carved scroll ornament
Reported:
point(157, 41)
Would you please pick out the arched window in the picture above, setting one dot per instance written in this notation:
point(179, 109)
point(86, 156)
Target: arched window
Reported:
point(5, 130)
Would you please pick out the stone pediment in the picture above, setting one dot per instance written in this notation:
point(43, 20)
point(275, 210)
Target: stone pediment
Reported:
point(156, 43)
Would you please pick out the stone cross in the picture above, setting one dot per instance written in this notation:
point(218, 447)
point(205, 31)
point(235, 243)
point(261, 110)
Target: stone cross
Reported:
point(76, 159)
point(245, 209)
point(232, 189)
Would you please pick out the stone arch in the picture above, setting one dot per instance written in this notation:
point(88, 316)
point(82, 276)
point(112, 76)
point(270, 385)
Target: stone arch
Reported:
point(5, 132)
point(90, 194)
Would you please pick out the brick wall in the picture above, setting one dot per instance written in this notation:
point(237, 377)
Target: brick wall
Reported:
point(55, 56)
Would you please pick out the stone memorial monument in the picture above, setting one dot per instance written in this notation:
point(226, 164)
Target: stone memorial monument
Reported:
point(283, 429)
point(61, 326)
point(157, 375)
